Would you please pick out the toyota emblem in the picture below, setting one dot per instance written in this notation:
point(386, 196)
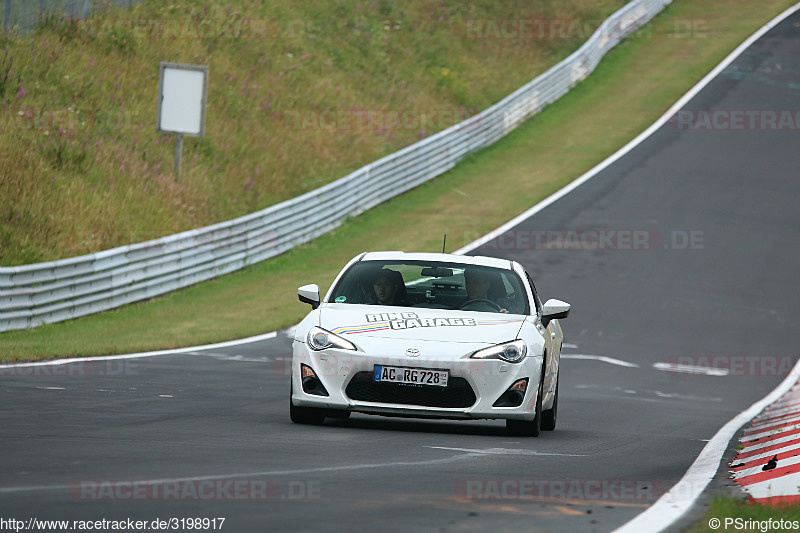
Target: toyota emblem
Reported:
point(412, 352)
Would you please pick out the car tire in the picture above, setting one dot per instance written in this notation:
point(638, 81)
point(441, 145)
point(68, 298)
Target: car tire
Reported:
point(305, 415)
point(528, 428)
point(340, 414)
point(549, 416)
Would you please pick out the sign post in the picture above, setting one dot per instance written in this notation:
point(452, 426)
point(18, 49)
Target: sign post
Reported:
point(182, 92)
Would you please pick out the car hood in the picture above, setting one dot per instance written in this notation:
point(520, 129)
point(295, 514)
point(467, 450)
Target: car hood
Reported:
point(405, 323)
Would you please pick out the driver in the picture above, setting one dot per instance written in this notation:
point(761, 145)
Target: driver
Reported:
point(478, 283)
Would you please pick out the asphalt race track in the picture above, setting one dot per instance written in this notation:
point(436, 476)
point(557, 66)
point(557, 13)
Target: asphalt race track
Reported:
point(702, 269)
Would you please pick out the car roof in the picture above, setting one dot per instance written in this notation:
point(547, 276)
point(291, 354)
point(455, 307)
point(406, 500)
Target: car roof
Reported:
point(446, 258)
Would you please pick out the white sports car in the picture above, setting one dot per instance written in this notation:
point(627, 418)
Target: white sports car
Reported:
point(429, 335)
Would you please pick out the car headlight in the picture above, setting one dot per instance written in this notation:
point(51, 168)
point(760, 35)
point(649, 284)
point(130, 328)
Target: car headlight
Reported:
point(321, 339)
point(512, 352)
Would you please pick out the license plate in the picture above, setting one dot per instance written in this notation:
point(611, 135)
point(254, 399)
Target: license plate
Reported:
point(415, 376)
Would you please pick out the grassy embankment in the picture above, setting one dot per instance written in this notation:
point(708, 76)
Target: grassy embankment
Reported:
point(300, 94)
point(631, 88)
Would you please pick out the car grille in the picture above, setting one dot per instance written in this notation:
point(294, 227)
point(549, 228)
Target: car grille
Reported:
point(458, 392)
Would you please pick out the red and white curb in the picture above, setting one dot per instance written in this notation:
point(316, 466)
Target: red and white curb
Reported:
point(768, 465)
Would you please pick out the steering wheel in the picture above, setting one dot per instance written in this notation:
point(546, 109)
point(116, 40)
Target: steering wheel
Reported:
point(492, 304)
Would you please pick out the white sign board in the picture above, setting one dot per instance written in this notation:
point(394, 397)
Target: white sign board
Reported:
point(182, 99)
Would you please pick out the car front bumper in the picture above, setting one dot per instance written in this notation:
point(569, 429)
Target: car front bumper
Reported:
point(346, 377)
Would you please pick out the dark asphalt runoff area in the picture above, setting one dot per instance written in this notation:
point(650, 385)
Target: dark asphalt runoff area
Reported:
point(711, 280)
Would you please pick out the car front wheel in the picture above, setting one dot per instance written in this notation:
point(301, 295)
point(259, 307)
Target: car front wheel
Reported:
point(305, 415)
point(528, 428)
point(549, 416)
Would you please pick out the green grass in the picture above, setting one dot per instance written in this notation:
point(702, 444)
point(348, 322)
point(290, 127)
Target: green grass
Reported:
point(632, 87)
point(82, 168)
point(741, 513)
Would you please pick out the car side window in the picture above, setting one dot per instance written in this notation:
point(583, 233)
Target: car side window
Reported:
point(535, 295)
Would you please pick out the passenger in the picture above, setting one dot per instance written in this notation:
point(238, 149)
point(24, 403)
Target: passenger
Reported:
point(389, 287)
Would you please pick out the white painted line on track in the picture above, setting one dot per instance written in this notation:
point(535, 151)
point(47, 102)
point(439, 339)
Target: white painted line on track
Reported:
point(691, 369)
point(503, 451)
point(242, 475)
point(66, 361)
point(632, 144)
point(674, 395)
point(681, 497)
point(672, 505)
point(237, 358)
point(603, 358)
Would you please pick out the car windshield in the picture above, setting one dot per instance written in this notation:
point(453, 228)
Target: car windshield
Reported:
point(433, 285)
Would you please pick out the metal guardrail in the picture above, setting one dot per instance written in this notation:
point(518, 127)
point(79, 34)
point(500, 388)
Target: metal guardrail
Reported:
point(24, 15)
point(31, 295)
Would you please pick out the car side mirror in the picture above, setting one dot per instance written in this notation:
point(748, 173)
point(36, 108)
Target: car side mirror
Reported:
point(553, 310)
point(309, 294)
